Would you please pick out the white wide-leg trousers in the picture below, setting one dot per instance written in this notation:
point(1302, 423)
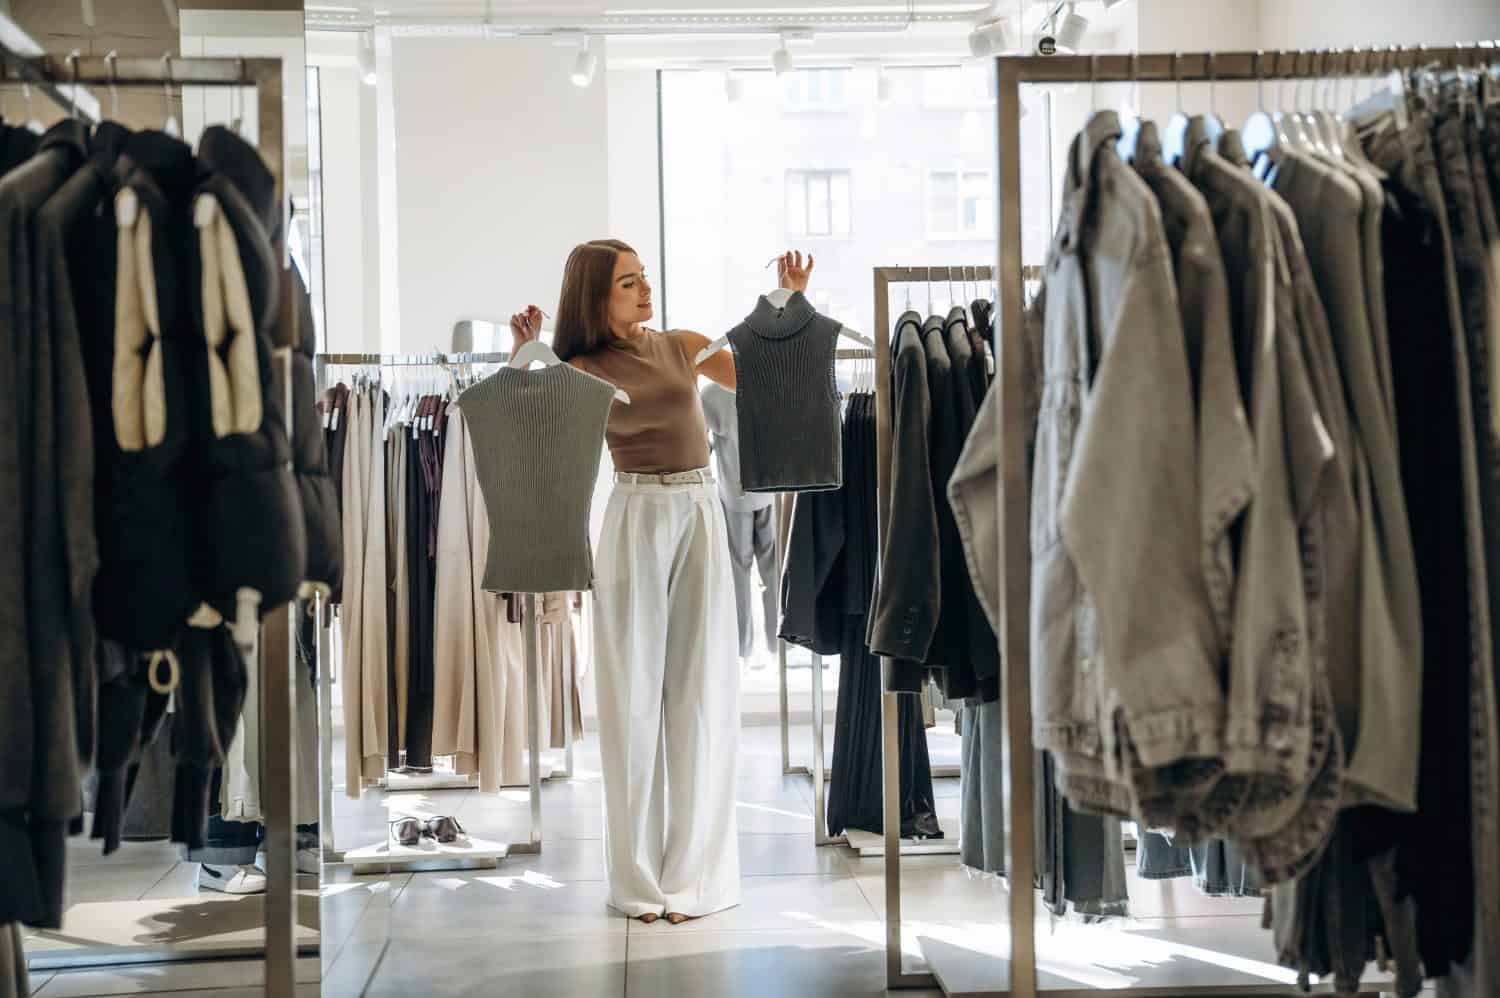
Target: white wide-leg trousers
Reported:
point(667, 674)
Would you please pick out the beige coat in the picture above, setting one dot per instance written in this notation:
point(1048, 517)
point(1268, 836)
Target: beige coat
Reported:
point(363, 671)
point(479, 673)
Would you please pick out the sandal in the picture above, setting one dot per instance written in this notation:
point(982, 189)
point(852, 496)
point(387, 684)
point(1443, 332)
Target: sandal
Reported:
point(407, 831)
point(445, 829)
point(677, 917)
point(648, 917)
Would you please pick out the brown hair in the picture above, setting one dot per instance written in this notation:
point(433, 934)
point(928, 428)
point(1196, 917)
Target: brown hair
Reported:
point(583, 309)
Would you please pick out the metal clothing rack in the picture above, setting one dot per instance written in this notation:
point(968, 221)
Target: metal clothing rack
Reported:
point(50, 74)
point(1017, 975)
point(371, 857)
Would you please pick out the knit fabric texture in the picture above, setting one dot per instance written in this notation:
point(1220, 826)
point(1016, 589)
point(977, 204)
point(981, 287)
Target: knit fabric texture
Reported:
point(788, 403)
point(537, 437)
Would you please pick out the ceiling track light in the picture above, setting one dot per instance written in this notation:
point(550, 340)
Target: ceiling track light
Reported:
point(990, 37)
point(1071, 29)
point(781, 61)
point(584, 66)
point(365, 55)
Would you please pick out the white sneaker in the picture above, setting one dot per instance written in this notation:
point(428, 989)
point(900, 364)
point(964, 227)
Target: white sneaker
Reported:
point(309, 861)
point(239, 880)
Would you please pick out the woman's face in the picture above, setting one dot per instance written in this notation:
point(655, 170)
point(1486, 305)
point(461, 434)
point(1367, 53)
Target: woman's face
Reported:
point(630, 293)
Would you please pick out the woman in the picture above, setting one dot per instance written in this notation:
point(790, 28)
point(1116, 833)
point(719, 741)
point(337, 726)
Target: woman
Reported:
point(665, 642)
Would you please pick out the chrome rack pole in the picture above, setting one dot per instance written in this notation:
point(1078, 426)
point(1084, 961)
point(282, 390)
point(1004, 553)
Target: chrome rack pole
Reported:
point(783, 530)
point(568, 672)
point(533, 724)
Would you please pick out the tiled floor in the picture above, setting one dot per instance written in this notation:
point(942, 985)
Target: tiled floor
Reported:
point(810, 924)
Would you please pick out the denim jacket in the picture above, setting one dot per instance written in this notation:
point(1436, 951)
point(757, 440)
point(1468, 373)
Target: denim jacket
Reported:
point(1124, 673)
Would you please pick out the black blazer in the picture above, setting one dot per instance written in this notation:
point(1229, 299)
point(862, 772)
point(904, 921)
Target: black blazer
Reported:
point(905, 613)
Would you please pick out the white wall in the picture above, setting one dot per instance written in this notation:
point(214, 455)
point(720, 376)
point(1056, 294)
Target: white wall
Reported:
point(250, 33)
point(352, 301)
point(1347, 23)
point(501, 167)
point(632, 155)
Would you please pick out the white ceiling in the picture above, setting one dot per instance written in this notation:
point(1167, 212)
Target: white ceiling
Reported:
point(665, 33)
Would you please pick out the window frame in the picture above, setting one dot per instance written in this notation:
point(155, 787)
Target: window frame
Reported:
point(805, 175)
point(960, 172)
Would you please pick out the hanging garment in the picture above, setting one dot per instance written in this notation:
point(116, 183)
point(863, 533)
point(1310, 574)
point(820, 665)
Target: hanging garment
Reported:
point(364, 672)
point(398, 596)
point(752, 532)
point(982, 788)
point(209, 698)
point(537, 439)
point(1380, 693)
point(417, 730)
point(478, 675)
point(1294, 545)
point(784, 354)
point(559, 679)
point(1126, 678)
point(968, 392)
point(668, 688)
point(840, 594)
point(38, 740)
point(249, 526)
point(904, 615)
point(949, 650)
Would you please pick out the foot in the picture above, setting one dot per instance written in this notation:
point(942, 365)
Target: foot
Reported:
point(308, 861)
point(231, 880)
point(677, 917)
point(648, 917)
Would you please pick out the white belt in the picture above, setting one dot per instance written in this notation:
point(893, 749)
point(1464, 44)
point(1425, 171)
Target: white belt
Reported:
point(701, 476)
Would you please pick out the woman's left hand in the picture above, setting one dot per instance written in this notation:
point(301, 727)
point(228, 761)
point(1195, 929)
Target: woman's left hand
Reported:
point(793, 275)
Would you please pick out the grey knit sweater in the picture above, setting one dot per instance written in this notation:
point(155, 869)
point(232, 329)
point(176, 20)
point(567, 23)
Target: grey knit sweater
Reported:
point(537, 437)
point(788, 404)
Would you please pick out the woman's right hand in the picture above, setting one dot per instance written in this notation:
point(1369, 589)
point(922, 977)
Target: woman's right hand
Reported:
point(524, 327)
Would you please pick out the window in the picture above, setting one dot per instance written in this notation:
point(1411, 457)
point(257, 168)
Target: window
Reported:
point(816, 89)
point(308, 217)
point(959, 87)
point(960, 204)
point(817, 203)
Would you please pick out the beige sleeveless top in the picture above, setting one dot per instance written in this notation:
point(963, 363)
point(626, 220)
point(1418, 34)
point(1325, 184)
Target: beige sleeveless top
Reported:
point(662, 429)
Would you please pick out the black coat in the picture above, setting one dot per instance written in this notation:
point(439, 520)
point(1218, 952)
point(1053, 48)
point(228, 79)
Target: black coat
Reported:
point(315, 485)
point(248, 523)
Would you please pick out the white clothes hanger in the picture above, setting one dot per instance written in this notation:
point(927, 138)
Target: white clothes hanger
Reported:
point(778, 297)
point(536, 351)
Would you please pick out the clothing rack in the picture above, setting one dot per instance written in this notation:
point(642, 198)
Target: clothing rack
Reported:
point(49, 74)
point(890, 845)
point(961, 971)
point(372, 856)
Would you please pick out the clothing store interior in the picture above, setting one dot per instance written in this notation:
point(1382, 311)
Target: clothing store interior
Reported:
point(697, 497)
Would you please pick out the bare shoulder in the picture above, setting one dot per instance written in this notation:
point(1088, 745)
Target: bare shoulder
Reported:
point(689, 339)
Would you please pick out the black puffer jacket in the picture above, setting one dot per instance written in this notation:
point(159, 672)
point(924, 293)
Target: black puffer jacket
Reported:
point(248, 524)
point(145, 588)
point(228, 154)
point(320, 506)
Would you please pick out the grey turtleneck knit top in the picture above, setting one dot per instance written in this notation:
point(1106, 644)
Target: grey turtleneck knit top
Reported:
point(788, 403)
point(537, 437)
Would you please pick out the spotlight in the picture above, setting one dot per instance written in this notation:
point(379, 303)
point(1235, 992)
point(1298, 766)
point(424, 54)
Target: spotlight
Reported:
point(781, 61)
point(1070, 31)
point(584, 66)
point(990, 37)
point(731, 86)
point(883, 86)
point(366, 58)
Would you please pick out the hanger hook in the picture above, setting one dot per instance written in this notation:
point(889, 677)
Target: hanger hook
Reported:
point(1177, 76)
point(1094, 82)
point(111, 59)
point(73, 65)
point(1135, 80)
point(1260, 81)
point(1213, 84)
point(166, 86)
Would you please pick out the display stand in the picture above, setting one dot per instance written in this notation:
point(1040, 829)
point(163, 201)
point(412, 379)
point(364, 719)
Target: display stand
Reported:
point(470, 853)
point(1013, 970)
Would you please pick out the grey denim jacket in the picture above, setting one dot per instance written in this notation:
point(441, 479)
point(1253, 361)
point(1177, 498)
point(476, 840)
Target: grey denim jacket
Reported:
point(1125, 674)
